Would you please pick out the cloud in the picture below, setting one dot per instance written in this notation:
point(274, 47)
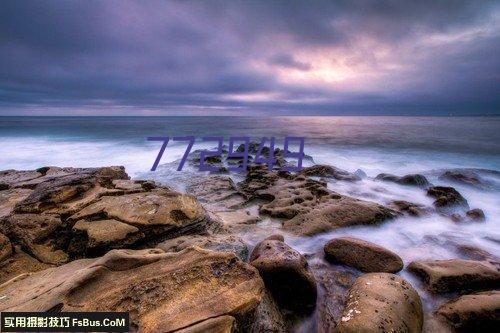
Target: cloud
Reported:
point(124, 57)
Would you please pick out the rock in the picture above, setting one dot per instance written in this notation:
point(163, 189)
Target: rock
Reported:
point(411, 180)
point(409, 208)
point(218, 242)
point(456, 274)
point(218, 193)
point(468, 177)
point(268, 317)
point(9, 199)
point(159, 212)
point(128, 186)
point(286, 274)
point(222, 324)
point(94, 237)
point(41, 235)
point(476, 214)
point(333, 286)
point(307, 205)
point(360, 174)
point(362, 255)
point(475, 253)
point(478, 312)
point(382, 302)
point(5, 247)
point(240, 216)
point(328, 171)
point(447, 198)
point(17, 179)
point(151, 285)
point(58, 189)
point(19, 264)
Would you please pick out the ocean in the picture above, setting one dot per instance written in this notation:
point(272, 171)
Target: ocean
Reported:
point(397, 145)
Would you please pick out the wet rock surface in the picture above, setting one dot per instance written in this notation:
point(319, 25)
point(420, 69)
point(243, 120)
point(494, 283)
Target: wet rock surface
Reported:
point(328, 171)
point(442, 276)
point(447, 198)
point(382, 302)
point(478, 312)
point(286, 274)
point(307, 205)
point(410, 180)
point(149, 284)
point(362, 255)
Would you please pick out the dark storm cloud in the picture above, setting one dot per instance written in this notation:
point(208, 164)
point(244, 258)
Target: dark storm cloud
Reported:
point(267, 56)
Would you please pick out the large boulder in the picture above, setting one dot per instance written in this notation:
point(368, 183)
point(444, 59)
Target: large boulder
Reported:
point(456, 274)
point(411, 180)
point(218, 193)
point(307, 205)
point(162, 292)
point(362, 255)
point(447, 199)
point(477, 178)
point(478, 312)
point(286, 274)
point(19, 264)
point(382, 302)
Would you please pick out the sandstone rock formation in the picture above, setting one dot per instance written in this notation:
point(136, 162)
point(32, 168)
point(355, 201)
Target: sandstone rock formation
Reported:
point(456, 274)
point(412, 180)
point(382, 302)
point(447, 198)
point(162, 292)
point(362, 255)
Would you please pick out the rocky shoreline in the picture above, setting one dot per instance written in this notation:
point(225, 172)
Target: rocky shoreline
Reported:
point(92, 239)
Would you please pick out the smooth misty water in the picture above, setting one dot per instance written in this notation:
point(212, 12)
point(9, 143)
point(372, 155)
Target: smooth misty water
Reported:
point(398, 145)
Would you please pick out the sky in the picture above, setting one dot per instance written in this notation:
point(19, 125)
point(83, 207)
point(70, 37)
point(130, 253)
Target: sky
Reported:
point(119, 57)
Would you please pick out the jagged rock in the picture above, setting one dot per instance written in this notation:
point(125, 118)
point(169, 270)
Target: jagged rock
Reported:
point(218, 193)
point(161, 291)
point(240, 216)
point(382, 302)
point(56, 190)
point(362, 255)
point(5, 247)
point(329, 171)
point(286, 274)
point(9, 198)
point(409, 208)
point(456, 274)
point(476, 214)
point(19, 264)
point(218, 242)
point(18, 179)
point(447, 198)
point(41, 235)
point(93, 237)
point(308, 206)
point(412, 180)
point(159, 212)
point(221, 324)
point(478, 312)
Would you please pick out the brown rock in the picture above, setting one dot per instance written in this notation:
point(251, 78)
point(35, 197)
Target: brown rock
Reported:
point(307, 205)
point(382, 302)
point(218, 242)
point(286, 274)
point(160, 211)
point(467, 177)
point(268, 317)
point(473, 313)
point(409, 208)
point(447, 198)
point(5, 247)
point(362, 255)
point(329, 171)
point(9, 199)
point(41, 235)
point(476, 214)
point(412, 180)
point(221, 324)
point(162, 292)
point(456, 274)
point(218, 193)
point(19, 264)
point(102, 235)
